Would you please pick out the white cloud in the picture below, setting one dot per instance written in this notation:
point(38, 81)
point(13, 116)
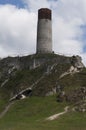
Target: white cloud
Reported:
point(67, 36)
point(83, 55)
point(17, 30)
point(34, 5)
point(18, 27)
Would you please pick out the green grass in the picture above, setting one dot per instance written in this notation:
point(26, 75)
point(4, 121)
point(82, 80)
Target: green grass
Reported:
point(72, 82)
point(3, 104)
point(21, 80)
point(30, 114)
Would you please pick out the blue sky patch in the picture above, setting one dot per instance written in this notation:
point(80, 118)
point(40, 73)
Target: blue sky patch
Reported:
point(18, 3)
point(83, 38)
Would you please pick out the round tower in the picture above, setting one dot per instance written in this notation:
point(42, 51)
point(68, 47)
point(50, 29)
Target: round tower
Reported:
point(44, 31)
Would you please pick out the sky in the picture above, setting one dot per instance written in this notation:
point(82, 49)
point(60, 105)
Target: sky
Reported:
point(18, 26)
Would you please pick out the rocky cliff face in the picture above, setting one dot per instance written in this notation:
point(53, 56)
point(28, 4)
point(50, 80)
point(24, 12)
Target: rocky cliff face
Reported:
point(77, 62)
point(11, 64)
point(41, 75)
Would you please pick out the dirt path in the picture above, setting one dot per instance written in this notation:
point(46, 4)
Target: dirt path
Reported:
point(6, 110)
point(53, 117)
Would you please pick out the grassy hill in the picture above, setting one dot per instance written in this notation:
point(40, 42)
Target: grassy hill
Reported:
point(49, 76)
point(31, 113)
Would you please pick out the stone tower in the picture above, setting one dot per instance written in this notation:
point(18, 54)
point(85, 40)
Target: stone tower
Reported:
point(44, 31)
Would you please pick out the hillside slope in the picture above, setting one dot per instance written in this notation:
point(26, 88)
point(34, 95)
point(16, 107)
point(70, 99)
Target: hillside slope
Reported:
point(42, 75)
point(31, 114)
point(49, 83)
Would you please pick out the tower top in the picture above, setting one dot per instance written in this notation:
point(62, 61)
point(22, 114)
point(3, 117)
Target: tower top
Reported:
point(44, 13)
